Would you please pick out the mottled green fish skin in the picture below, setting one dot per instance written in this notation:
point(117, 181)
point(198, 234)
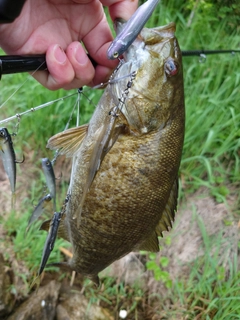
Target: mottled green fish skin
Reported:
point(133, 196)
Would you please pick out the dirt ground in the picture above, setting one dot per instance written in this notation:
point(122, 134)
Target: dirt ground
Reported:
point(58, 300)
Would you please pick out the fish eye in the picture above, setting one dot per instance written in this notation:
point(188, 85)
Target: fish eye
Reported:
point(171, 67)
point(115, 54)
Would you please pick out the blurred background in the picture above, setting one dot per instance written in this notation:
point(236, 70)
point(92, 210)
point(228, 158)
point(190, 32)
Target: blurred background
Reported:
point(196, 274)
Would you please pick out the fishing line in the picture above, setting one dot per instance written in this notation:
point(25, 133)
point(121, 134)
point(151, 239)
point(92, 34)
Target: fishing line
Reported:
point(110, 81)
point(71, 115)
point(76, 106)
point(41, 106)
point(17, 127)
point(21, 85)
point(19, 115)
point(104, 84)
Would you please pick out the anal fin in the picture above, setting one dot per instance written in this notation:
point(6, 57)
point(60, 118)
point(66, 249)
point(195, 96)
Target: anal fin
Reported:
point(150, 244)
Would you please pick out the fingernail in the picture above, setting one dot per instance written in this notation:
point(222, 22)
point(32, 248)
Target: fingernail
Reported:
point(80, 55)
point(60, 55)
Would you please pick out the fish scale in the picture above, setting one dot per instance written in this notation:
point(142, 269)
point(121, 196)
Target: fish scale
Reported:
point(132, 196)
point(134, 206)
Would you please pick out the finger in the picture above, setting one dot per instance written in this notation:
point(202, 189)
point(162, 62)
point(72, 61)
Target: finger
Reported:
point(60, 71)
point(97, 42)
point(82, 66)
point(105, 67)
point(123, 9)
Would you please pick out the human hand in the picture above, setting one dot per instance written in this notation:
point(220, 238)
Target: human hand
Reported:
point(55, 27)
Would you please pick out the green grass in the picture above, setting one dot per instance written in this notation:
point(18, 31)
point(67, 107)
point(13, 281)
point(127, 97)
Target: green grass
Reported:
point(28, 246)
point(210, 159)
point(209, 292)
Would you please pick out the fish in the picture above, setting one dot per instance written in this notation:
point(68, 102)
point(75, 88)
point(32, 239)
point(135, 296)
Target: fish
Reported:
point(126, 160)
point(8, 157)
point(131, 29)
point(50, 179)
point(39, 209)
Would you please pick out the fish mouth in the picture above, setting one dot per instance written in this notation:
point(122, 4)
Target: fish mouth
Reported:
point(155, 54)
point(140, 52)
point(154, 36)
point(166, 30)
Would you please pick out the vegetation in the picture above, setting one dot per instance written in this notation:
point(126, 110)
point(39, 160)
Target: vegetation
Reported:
point(210, 159)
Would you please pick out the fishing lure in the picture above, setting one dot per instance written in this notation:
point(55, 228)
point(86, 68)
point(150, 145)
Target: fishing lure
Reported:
point(50, 179)
point(131, 29)
point(49, 243)
point(8, 157)
point(39, 209)
point(52, 235)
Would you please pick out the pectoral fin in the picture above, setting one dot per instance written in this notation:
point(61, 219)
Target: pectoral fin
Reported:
point(62, 231)
point(64, 266)
point(103, 145)
point(104, 139)
point(69, 140)
point(168, 214)
point(106, 136)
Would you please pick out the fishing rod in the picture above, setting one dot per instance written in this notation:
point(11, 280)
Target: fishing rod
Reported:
point(10, 64)
point(200, 53)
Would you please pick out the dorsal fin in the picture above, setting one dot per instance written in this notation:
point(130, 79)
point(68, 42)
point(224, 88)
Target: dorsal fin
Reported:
point(168, 214)
point(68, 141)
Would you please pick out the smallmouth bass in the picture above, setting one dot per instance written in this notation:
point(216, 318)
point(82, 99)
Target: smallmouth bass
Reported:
point(124, 182)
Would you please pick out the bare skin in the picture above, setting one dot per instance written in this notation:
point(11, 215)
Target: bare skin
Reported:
point(55, 27)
